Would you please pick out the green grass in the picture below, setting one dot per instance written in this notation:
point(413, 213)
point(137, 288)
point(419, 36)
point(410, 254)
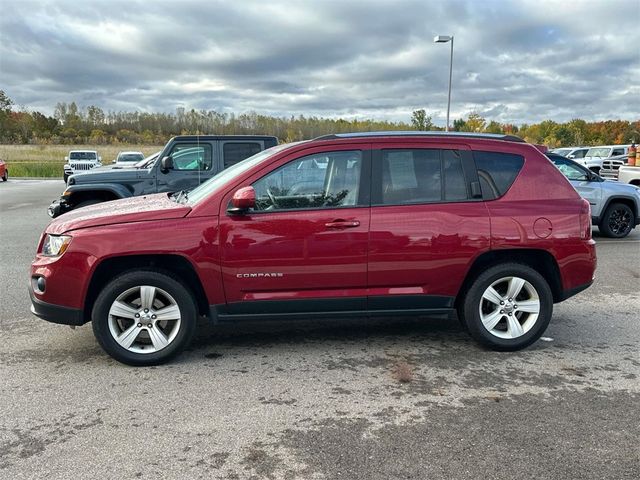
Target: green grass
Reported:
point(47, 160)
point(36, 169)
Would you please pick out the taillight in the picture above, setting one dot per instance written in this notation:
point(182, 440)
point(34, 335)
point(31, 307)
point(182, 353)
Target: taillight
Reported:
point(585, 220)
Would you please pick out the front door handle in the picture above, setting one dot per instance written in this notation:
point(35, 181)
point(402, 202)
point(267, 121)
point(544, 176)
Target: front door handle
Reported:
point(339, 224)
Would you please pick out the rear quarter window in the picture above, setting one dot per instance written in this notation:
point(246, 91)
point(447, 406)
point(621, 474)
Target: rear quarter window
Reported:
point(496, 172)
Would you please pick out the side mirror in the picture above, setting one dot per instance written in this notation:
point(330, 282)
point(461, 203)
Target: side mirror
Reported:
point(66, 159)
point(114, 161)
point(572, 156)
point(99, 159)
point(243, 200)
point(166, 164)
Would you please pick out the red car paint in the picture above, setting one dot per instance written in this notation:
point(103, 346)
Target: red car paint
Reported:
point(363, 253)
point(3, 169)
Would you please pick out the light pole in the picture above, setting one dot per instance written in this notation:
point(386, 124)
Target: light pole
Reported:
point(445, 39)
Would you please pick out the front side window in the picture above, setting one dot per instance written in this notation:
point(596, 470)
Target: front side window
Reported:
point(580, 153)
point(187, 156)
point(234, 152)
point(324, 180)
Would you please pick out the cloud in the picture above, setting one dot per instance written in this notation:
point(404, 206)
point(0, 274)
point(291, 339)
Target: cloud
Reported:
point(513, 61)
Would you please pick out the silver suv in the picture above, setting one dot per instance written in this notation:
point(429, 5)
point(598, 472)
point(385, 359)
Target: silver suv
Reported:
point(615, 207)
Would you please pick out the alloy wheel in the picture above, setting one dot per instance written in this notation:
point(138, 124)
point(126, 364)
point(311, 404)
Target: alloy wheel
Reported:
point(509, 307)
point(620, 221)
point(144, 319)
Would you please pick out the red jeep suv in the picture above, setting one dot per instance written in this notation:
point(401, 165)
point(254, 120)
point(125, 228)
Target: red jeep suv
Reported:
point(344, 225)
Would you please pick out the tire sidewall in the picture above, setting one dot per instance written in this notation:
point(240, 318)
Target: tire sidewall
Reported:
point(110, 292)
point(474, 295)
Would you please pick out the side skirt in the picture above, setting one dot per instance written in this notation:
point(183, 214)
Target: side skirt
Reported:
point(392, 305)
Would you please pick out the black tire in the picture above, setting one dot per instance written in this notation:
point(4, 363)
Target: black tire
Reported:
point(5, 177)
point(66, 177)
point(86, 203)
point(469, 309)
point(161, 280)
point(618, 221)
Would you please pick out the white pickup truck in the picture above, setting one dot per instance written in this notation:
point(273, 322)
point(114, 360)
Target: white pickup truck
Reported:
point(79, 161)
point(628, 174)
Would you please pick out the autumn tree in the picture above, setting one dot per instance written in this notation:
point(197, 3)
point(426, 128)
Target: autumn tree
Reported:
point(421, 121)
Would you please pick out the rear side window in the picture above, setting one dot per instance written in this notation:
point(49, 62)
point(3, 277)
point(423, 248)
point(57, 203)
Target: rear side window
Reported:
point(496, 172)
point(421, 176)
point(234, 152)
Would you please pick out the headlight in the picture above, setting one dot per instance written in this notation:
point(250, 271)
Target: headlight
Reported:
point(55, 245)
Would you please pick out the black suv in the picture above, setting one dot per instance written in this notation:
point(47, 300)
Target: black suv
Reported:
point(185, 162)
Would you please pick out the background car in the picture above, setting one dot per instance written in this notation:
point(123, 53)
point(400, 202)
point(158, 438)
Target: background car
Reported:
point(594, 157)
point(128, 158)
point(615, 207)
point(611, 165)
point(4, 171)
point(571, 152)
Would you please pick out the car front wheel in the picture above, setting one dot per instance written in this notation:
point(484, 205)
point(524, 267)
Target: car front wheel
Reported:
point(508, 307)
point(144, 317)
point(618, 221)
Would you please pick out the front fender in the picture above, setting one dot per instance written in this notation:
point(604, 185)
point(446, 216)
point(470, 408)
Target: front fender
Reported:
point(116, 189)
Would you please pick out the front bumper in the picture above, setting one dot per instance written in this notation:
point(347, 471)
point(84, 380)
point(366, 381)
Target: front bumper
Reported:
point(57, 208)
point(55, 313)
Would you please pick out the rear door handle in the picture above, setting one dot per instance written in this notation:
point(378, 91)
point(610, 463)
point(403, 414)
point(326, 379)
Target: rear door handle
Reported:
point(339, 224)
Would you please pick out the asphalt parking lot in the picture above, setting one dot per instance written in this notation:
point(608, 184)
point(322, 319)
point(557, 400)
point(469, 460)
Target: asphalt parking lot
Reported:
point(321, 400)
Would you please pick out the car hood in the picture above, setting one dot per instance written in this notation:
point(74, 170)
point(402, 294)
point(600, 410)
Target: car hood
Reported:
point(109, 174)
point(135, 209)
point(611, 187)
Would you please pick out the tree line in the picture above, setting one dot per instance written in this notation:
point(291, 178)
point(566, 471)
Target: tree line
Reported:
point(71, 124)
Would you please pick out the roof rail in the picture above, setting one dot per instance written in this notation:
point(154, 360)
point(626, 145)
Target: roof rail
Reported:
point(415, 133)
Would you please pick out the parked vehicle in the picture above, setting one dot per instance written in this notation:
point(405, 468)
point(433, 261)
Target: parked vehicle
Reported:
point(615, 207)
point(146, 162)
point(80, 161)
point(186, 162)
point(4, 170)
point(629, 174)
point(594, 157)
point(611, 165)
point(571, 152)
point(128, 158)
point(351, 224)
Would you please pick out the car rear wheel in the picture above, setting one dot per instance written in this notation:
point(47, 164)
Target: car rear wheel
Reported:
point(144, 318)
point(618, 221)
point(508, 307)
point(5, 176)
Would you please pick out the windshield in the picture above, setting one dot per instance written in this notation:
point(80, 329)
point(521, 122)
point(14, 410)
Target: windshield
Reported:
point(598, 152)
point(226, 176)
point(130, 157)
point(82, 156)
point(147, 162)
point(562, 151)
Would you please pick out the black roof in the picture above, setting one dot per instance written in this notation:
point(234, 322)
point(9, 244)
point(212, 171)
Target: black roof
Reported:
point(224, 137)
point(415, 133)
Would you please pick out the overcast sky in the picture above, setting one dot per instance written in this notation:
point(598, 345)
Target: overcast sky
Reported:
point(514, 61)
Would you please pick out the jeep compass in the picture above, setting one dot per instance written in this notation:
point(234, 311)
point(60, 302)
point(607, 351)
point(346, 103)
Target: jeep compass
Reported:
point(389, 223)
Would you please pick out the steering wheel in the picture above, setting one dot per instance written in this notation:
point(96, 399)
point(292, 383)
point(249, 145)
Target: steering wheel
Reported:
point(272, 197)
